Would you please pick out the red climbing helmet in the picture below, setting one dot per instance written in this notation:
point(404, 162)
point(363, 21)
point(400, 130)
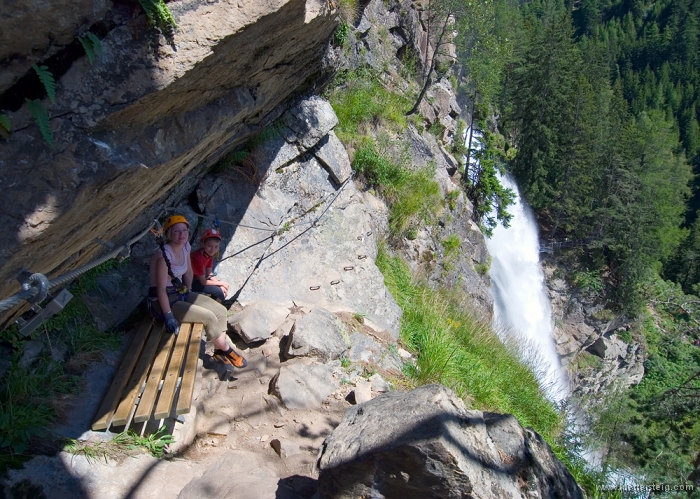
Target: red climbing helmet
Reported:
point(209, 233)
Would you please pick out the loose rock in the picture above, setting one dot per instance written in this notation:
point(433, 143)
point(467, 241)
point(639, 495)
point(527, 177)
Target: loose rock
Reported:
point(317, 334)
point(304, 387)
point(258, 320)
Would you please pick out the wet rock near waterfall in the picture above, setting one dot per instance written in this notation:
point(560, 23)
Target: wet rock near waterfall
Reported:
point(424, 443)
point(589, 341)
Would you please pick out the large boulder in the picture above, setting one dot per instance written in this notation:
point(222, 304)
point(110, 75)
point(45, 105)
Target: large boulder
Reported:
point(309, 121)
point(332, 154)
point(319, 334)
point(424, 443)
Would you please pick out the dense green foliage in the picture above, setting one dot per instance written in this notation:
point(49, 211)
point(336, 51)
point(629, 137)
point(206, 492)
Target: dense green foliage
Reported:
point(597, 160)
point(653, 427)
point(586, 159)
point(598, 102)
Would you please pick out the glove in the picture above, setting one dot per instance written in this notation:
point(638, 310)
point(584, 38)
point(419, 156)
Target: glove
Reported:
point(171, 323)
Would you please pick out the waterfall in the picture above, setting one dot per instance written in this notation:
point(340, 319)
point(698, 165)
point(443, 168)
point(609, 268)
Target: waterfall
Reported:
point(521, 303)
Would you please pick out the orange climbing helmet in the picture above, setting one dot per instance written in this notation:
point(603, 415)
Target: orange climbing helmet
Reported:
point(175, 219)
point(209, 233)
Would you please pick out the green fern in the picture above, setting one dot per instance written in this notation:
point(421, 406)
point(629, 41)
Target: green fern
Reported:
point(159, 14)
point(41, 116)
point(87, 45)
point(92, 45)
point(47, 79)
point(5, 122)
point(96, 43)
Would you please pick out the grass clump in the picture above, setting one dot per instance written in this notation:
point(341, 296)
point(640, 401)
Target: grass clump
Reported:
point(348, 10)
point(127, 443)
point(360, 99)
point(412, 195)
point(32, 391)
point(462, 352)
point(451, 243)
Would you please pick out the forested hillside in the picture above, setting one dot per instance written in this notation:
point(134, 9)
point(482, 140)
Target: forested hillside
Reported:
point(593, 106)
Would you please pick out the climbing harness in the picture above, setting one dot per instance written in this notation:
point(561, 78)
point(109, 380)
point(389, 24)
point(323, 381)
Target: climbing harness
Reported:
point(178, 291)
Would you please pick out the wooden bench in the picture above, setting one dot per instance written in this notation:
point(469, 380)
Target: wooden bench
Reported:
point(156, 367)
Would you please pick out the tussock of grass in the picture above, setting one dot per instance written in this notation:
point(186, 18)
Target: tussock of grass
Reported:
point(461, 351)
point(362, 99)
point(348, 10)
point(30, 393)
point(412, 195)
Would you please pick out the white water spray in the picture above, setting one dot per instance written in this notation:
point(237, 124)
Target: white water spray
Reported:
point(520, 300)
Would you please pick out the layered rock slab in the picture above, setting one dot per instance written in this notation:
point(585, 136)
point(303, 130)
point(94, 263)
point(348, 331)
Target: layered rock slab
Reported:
point(424, 443)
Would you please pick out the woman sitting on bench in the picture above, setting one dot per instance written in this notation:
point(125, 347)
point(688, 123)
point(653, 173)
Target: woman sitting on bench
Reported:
point(170, 277)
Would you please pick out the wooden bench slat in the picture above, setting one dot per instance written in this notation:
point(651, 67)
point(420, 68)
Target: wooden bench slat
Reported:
point(184, 399)
point(167, 392)
point(131, 356)
point(133, 388)
point(148, 397)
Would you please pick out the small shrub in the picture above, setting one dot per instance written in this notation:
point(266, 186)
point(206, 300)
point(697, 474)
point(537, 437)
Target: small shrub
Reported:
point(159, 15)
point(483, 268)
point(5, 122)
point(585, 361)
point(451, 243)
point(408, 69)
point(41, 117)
point(341, 34)
point(604, 315)
point(411, 233)
point(451, 198)
point(625, 336)
point(92, 45)
point(589, 281)
point(348, 10)
point(437, 129)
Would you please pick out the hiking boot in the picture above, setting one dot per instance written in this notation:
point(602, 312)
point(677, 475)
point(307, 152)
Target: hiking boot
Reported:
point(232, 358)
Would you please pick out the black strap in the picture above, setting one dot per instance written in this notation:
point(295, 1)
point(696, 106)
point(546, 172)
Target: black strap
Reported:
point(177, 283)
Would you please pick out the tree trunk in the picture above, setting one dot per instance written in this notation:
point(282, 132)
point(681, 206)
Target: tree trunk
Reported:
point(428, 79)
point(471, 134)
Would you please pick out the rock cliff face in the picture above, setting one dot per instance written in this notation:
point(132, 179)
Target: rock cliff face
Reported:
point(393, 30)
point(149, 112)
point(589, 342)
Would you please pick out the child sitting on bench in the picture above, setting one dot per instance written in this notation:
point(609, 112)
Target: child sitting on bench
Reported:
point(202, 265)
point(169, 299)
